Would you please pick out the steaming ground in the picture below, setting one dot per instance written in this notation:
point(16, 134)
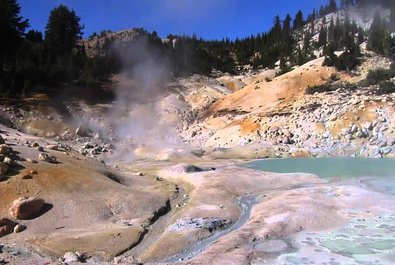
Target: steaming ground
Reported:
point(154, 173)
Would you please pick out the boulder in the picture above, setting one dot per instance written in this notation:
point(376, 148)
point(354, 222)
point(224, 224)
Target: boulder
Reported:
point(2, 140)
point(40, 148)
point(27, 176)
point(71, 257)
point(53, 147)
point(31, 161)
point(25, 208)
point(6, 226)
point(8, 161)
point(5, 149)
point(47, 158)
point(19, 228)
point(3, 170)
point(386, 150)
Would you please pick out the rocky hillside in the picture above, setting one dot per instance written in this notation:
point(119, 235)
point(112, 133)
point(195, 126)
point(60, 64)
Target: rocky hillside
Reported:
point(282, 114)
point(99, 45)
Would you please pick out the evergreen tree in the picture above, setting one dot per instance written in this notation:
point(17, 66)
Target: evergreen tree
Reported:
point(361, 35)
point(377, 34)
point(332, 6)
point(12, 28)
point(322, 37)
point(63, 33)
point(330, 56)
point(276, 30)
point(311, 17)
point(392, 19)
point(34, 36)
point(298, 21)
point(331, 32)
point(287, 39)
point(63, 30)
point(389, 47)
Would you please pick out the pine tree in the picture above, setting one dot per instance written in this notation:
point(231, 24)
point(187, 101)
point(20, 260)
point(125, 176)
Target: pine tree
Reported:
point(34, 36)
point(332, 6)
point(298, 21)
point(322, 37)
point(392, 19)
point(331, 32)
point(287, 39)
point(12, 28)
point(63, 33)
point(63, 30)
point(376, 34)
point(361, 36)
point(330, 56)
point(276, 30)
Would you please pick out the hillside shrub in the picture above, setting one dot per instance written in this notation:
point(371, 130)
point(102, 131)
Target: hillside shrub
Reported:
point(385, 87)
point(311, 90)
point(378, 75)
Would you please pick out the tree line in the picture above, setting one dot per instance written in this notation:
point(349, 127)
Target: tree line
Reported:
point(31, 59)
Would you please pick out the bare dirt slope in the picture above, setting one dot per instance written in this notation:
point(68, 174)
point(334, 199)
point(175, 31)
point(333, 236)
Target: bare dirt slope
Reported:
point(89, 207)
point(279, 113)
point(262, 96)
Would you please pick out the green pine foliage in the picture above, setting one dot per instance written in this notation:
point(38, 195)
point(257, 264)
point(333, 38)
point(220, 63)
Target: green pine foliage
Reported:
point(12, 29)
point(31, 59)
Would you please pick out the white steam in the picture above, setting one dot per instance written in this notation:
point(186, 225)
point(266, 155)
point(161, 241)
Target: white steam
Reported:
point(145, 115)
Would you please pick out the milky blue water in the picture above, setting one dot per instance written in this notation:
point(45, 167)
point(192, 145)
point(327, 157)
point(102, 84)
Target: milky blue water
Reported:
point(367, 239)
point(347, 167)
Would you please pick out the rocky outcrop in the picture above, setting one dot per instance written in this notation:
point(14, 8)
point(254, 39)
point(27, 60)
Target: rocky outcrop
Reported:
point(97, 44)
point(26, 208)
point(321, 124)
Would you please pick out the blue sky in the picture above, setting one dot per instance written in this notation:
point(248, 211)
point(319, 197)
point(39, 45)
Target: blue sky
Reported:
point(210, 19)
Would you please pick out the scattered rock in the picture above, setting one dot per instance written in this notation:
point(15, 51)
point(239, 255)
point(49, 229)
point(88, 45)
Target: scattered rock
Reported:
point(40, 148)
point(27, 176)
point(6, 226)
point(386, 150)
point(53, 147)
point(31, 161)
point(3, 170)
point(70, 257)
point(5, 149)
point(94, 149)
point(210, 224)
point(184, 168)
point(25, 208)
point(19, 228)
point(47, 158)
point(8, 160)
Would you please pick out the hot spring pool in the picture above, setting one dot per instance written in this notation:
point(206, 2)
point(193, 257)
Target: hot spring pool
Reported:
point(344, 167)
point(368, 238)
